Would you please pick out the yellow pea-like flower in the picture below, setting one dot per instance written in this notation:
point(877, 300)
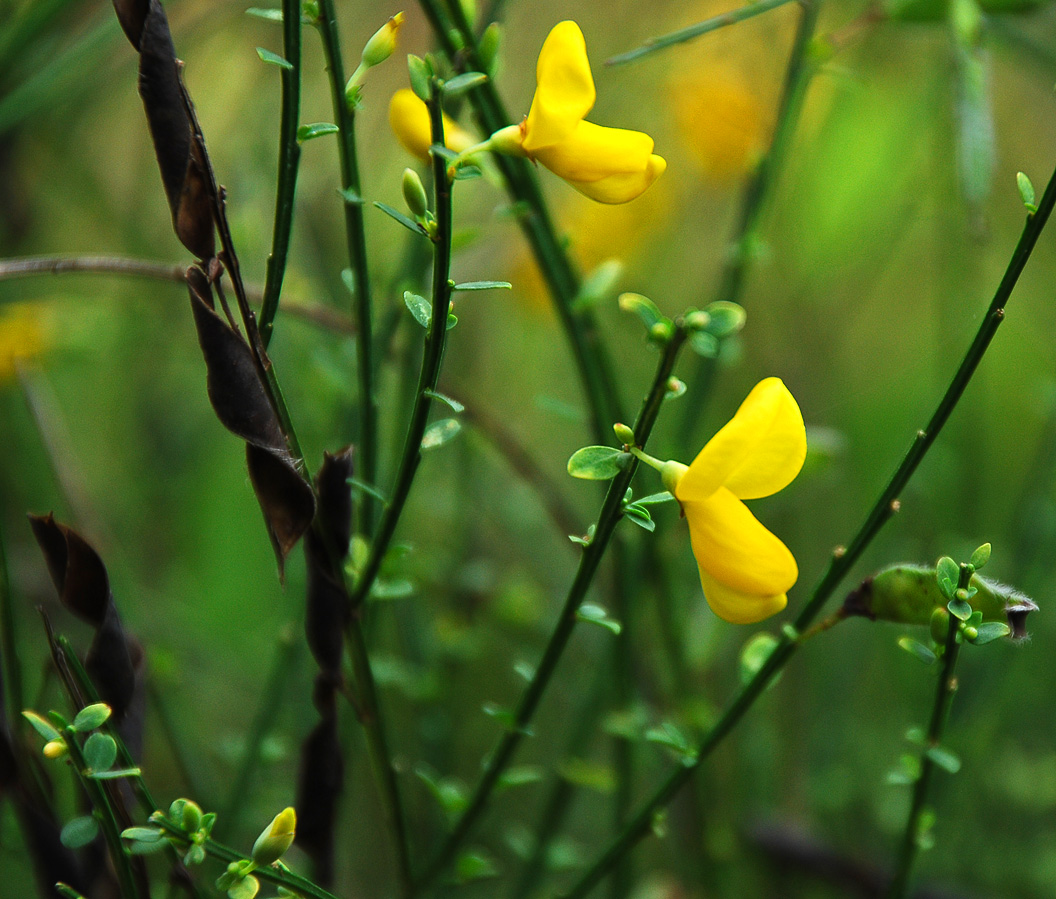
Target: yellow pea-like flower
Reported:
point(610, 165)
point(745, 570)
point(409, 120)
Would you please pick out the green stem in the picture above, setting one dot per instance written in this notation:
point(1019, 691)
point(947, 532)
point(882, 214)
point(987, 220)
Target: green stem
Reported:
point(355, 232)
point(692, 31)
point(940, 713)
point(562, 279)
point(841, 561)
point(272, 874)
point(289, 156)
point(107, 818)
point(611, 513)
point(743, 247)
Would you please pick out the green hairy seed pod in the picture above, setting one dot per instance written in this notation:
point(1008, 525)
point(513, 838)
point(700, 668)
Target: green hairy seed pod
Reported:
point(909, 594)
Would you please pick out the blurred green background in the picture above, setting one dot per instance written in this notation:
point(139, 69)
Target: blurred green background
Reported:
point(878, 259)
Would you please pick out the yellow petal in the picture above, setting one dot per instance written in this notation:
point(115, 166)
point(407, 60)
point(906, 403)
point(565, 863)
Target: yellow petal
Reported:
point(739, 608)
point(732, 546)
point(758, 452)
point(623, 187)
point(564, 91)
point(409, 120)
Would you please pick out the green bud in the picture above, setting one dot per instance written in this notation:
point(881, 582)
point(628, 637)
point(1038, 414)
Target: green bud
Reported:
point(660, 332)
point(54, 749)
point(272, 844)
point(970, 633)
point(910, 594)
point(383, 42)
point(697, 321)
point(488, 48)
point(414, 193)
point(624, 434)
point(191, 817)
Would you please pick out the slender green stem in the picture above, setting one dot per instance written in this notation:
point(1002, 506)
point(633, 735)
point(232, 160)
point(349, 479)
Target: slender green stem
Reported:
point(280, 876)
point(693, 31)
point(355, 232)
point(743, 248)
point(944, 692)
point(106, 815)
point(842, 560)
point(562, 279)
point(289, 156)
point(611, 513)
point(429, 374)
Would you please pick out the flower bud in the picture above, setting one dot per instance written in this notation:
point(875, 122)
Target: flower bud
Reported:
point(383, 42)
point(272, 844)
point(624, 434)
point(54, 749)
point(940, 625)
point(191, 817)
point(697, 321)
point(509, 141)
point(414, 193)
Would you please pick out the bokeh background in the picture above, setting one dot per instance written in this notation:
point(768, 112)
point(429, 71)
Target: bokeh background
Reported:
point(879, 254)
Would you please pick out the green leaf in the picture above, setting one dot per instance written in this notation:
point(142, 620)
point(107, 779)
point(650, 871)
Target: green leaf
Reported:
point(594, 614)
point(483, 285)
point(643, 307)
point(142, 834)
point(243, 888)
point(727, 319)
point(100, 752)
point(364, 487)
point(595, 776)
point(464, 82)
point(669, 735)
point(275, 60)
point(520, 776)
point(454, 404)
point(268, 15)
point(583, 541)
point(473, 866)
point(755, 653)
point(467, 172)
point(640, 516)
point(505, 717)
point(907, 773)
point(917, 649)
point(399, 589)
point(79, 832)
point(314, 130)
point(350, 197)
point(42, 726)
point(91, 717)
point(654, 499)
point(420, 73)
point(598, 285)
point(447, 791)
point(420, 308)
point(116, 773)
point(980, 557)
point(407, 223)
point(947, 572)
point(1026, 192)
point(944, 759)
point(704, 344)
point(960, 609)
point(597, 463)
point(989, 631)
point(440, 432)
point(452, 320)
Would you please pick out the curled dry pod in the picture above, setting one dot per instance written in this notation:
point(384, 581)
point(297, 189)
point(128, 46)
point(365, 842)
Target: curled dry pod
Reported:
point(909, 594)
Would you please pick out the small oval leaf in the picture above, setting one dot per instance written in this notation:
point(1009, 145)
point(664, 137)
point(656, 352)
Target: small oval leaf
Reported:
point(597, 463)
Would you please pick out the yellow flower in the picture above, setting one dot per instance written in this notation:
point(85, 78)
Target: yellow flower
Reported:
point(744, 569)
point(409, 120)
point(382, 43)
point(272, 844)
point(22, 336)
point(610, 165)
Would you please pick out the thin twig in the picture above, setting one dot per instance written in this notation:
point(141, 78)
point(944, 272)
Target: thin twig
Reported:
point(842, 560)
point(693, 31)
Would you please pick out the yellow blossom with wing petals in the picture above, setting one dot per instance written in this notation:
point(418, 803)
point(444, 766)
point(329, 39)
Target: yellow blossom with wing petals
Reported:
point(409, 120)
point(610, 165)
point(744, 569)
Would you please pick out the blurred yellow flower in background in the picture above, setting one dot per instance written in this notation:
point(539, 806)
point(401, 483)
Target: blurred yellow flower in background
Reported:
point(610, 165)
point(721, 122)
point(409, 120)
point(744, 569)
point(23, 335)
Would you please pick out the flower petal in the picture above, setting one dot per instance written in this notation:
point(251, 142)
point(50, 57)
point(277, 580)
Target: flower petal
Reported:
point(409, 120)
point(758, 452)
point(732, 546)
point(564, 91)
point(739, 608)
point(623, 187)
